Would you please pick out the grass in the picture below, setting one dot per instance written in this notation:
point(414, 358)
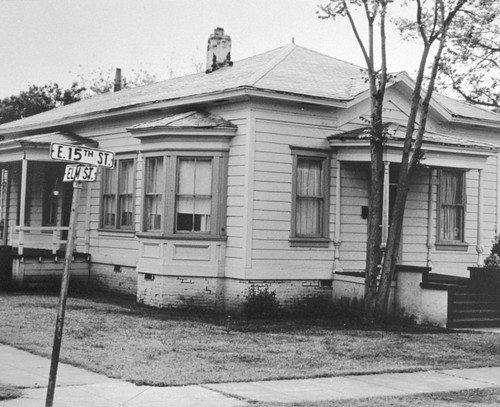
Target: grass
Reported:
point(465, 398)
point(159, 347)
point(9, 392)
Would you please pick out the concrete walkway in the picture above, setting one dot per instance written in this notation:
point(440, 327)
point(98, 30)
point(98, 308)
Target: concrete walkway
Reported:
point(80, 388)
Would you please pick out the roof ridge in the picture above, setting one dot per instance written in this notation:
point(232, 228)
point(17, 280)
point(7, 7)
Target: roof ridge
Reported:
point(268, 67)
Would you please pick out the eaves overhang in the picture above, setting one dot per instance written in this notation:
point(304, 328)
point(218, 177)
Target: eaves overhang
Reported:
point(223, 96)
point(37, 147)
point(439, 150)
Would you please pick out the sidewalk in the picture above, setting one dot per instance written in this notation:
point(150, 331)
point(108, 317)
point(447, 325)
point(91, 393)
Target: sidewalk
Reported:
point(80, 388)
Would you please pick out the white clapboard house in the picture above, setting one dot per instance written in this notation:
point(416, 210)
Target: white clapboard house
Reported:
point(254, 173)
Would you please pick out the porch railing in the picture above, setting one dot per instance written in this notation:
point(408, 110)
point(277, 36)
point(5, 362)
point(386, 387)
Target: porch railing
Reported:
point(20, 240)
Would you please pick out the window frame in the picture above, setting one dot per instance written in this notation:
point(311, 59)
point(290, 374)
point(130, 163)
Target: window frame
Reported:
point(115, 191)
point(171, 159)
point(322, 238)
point(451, 245)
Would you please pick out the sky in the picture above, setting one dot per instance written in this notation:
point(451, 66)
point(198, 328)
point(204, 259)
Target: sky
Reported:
point(47, 41)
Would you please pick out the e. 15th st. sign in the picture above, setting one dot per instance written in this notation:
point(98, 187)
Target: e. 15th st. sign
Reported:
point(82, 155)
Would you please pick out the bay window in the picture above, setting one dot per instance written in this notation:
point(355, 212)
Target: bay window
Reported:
point(185, 194)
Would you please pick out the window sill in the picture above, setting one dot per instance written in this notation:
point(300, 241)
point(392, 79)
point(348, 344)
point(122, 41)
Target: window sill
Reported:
point(309, 242)
point(115, 231)
point(452, 246)
point(152, 235)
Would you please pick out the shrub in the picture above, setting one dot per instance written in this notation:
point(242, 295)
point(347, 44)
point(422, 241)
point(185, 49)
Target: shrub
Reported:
point(493, 260)
point(261, 303)
point(315, 307)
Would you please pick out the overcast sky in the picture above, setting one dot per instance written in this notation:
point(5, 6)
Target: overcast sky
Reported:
point(55, 40)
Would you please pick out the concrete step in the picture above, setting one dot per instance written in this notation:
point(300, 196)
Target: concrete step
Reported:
point(475, 314)
point(474, 305)
point(475, 323)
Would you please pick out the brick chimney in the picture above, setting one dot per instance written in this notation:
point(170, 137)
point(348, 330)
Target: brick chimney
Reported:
point(218, 50)
point(118, 80)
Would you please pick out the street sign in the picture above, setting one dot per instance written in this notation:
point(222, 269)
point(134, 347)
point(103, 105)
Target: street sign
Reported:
point(76, 172)
point(82, 155)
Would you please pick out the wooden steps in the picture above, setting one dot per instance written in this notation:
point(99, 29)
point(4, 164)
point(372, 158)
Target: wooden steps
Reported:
point(468, 307)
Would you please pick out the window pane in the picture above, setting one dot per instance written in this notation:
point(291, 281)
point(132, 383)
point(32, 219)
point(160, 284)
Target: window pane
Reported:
point(154, 197)
point(109, 180)
point(126, 192)
point(109, 197)
point(108, 207)
point(452, 196)
point(451, 221)
point(308, 177)
point(309, 199)
point(194, 200)
point(126, 177)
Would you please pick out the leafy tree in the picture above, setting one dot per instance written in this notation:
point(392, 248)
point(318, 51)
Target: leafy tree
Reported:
point(471, 65)
point(38, 99)
point(430, 24)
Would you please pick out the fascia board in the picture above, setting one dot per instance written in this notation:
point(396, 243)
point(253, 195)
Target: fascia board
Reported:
point(168, 131)
point(226, 95)
point(425, 147)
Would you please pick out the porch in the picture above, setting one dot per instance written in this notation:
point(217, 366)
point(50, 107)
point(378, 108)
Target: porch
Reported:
point(40, 268)
point(435, 299)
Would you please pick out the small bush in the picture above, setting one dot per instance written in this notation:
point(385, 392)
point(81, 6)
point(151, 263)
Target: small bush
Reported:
point(261, 303)
point(493, 260)
point(315, 307)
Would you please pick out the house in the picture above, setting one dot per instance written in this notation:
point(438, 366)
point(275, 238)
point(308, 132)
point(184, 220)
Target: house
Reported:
point(254, 173)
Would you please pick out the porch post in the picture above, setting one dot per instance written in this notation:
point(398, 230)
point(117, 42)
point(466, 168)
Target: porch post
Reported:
point(336, 238)
point(430, 216)
point(479, 244)
point(497, 226)
point(22, 207)
point(385, 207)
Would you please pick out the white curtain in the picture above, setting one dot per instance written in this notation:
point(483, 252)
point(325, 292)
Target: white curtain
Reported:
point(309, 197)
point(451, 206)
point(194, 200)
point(154, 178)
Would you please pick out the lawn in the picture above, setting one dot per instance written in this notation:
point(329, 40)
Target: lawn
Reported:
point(466, 398)
point(9, 392)
point(124, 340)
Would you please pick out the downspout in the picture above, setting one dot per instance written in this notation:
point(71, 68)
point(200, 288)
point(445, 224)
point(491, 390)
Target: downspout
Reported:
point(5, 202)
point(22, 208)
point(430, 216)
point(479, 244)
point(336, 238)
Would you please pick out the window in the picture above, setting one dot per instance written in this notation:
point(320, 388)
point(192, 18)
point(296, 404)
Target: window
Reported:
point(451, 206)
point(310, 198)
point(118, 195)
point(194, 195)
point(154, 193)
point(51, 194)
point(185, 194)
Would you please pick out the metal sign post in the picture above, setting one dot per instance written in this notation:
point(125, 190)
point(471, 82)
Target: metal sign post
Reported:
point(77, 173)
point(77, 187)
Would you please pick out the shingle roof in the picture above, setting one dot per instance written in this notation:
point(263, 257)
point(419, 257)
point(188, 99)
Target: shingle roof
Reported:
point(459, 108)
point(48, 138)
point(287, 70)
point(397, 132)
point(192, 119)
